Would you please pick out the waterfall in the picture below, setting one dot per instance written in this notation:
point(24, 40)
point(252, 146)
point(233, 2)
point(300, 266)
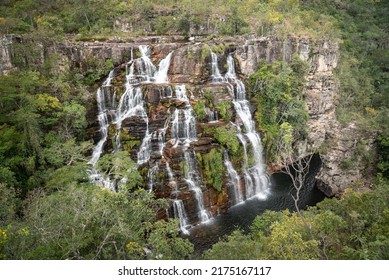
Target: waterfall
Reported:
point(106, 114)
point(255, 177)
point(152, 176)
point(193, 180)
point(234, 180)
point(103, 122)
point(178, 205)
point(241, 105)
point(146, 68)
point(183, 132)
point(183, 120)
point(180, 124)
point(166, 92)
point(161, 75)
point(112, 114)
point(161, 134)
point(181, 93)
point(216, 76)
point(179, 211)
point(211, 115)
point(131, 104)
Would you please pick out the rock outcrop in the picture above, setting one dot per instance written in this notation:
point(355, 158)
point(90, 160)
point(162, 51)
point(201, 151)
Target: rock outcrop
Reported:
point(5, 55)
point(190, 65)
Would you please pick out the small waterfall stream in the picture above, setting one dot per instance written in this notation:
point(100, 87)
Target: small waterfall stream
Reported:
point(183, 132)
point(255, 177)
point(234, 180)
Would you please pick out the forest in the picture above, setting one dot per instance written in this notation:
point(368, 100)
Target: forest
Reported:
point(49, 207)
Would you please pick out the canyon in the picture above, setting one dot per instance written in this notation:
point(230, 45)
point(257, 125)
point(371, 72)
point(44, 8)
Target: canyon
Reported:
point(181, 111)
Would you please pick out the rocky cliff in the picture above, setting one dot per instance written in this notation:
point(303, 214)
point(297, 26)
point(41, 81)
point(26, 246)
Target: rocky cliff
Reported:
point(212, 103)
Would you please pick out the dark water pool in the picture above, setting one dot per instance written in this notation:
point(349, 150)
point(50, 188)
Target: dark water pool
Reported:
point(242, 215)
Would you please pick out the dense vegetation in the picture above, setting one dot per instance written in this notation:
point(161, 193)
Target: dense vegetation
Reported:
point(277, 89)
point(50, 209)
point(354, 227)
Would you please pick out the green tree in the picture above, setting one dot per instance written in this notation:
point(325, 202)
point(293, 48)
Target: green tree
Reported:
point(119, 167)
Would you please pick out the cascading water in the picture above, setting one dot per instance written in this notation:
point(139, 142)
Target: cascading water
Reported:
point(131, 104)
point(216, 76)
point(212, 115)
point(152, 177)
point(161, 75)
point(178, 205)
point(256, 179)
point(241, 105)
point(183, 132)
point(106, 112)
point(179, 212)
point(234, 180)
point(181, 122)
point(193, 180)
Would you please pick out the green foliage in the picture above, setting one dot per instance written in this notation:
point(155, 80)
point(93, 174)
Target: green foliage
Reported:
point(9, 204)
point(213, 168)
point(277, 88)
point(362, 69)
point(93, 223)
point(199, 108)
point(72, 119)
point(42, 123)
point(354, 227)
point(205, 52)
point(183, 25)
point(224, 110)
point(171, 248)
point(118, 166)
point(383, 151)
point(93, 69)
point(235, 23)
point(227, 137)
point(163, 25)
point(236, 246)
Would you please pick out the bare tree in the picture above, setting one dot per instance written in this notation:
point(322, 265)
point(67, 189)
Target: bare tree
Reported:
point(297, 170)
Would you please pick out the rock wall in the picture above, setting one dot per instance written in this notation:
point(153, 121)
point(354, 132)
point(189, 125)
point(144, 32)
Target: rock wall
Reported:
point(5, 55)
point(191, 65)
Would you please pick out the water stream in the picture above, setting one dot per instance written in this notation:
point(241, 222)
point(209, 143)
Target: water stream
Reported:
point(256, 179)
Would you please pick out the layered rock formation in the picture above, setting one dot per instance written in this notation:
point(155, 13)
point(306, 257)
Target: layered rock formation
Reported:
point(191, 65)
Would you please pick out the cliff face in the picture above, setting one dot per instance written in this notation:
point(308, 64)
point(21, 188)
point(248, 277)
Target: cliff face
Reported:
point(5, 55)
point(191, 65)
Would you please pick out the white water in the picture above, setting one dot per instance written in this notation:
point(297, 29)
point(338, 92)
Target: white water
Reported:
point(234, 180)
point(193, 180)
point(152, 176)
point(163, 67)
point(179, 212)
point(146, 68)
point(257, 171)
point(105, 105)
point(211, 115)
point(216, 76)
point(255, 177)
point(181, 93)
point(183, 132)
point(183, 129)
point(131, 104)
point(103, 122)
point(178, 205)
